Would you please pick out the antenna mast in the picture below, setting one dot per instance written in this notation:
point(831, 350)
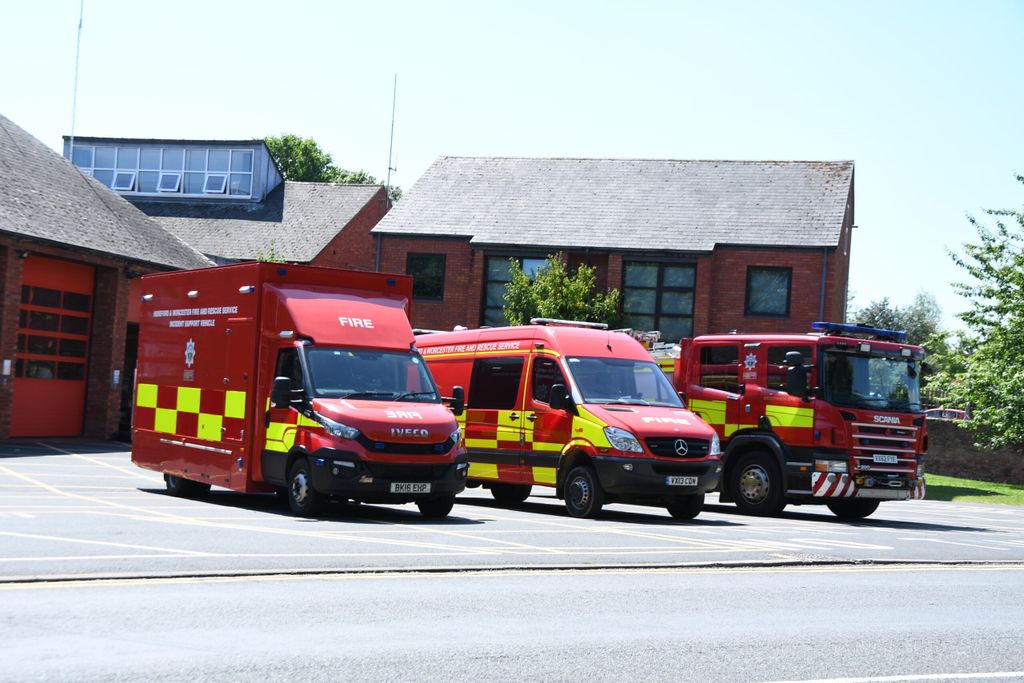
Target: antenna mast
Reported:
point(74, 95)
point(391, 144)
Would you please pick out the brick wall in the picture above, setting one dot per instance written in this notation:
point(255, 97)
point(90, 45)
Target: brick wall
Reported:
point(462, 281)
point(10, 297)
point(354, 247)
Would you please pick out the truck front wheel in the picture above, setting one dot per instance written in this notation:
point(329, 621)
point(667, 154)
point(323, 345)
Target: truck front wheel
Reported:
point(756, 485)
point(184, 488)
point(436, 508)
point(303, 499)
point(686, 507)
point(584, 496)
point(852, 509)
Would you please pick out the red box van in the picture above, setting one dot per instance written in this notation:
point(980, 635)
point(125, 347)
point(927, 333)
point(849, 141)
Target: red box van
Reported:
point(583, 410)
point(263, 377)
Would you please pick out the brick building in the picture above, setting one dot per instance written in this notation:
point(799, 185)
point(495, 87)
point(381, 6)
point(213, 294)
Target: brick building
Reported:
point(694, 246)
point(227, 199)
point(70, 250)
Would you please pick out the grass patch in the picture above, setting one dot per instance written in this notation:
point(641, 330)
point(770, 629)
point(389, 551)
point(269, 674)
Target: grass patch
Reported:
point(972, 491)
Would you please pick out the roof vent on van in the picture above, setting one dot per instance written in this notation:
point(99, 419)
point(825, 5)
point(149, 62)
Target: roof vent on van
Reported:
point(555, 322)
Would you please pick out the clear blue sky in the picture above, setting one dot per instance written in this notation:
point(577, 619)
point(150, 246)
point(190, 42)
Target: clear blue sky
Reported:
point(925, 97)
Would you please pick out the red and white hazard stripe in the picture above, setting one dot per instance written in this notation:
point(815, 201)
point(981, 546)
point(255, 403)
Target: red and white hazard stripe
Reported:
point(832, 485)
point(919, 488)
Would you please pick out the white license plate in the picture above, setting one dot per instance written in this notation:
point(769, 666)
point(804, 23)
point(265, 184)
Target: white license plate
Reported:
point(681, 481)
point(886, 459)
point(408, 487)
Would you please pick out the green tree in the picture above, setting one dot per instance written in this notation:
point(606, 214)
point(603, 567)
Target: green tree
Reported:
point(303, 159)
point(920, 320)
point(992, 352)
point(554, 292)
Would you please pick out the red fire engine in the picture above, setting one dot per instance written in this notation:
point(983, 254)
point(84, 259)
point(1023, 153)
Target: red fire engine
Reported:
point(263, 377)
point(830, 417)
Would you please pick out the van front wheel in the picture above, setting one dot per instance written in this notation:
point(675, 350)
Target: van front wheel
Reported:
point(303, 499)
point(584, 496)
point(436, 508)
point(510, 494)
point(686, 507)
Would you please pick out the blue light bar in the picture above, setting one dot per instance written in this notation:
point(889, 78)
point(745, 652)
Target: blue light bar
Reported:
point(860, 330)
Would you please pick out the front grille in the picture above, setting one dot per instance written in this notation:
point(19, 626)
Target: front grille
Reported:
point(691, 469)
point(403, 472)
point(374, 446)
point(666, 447)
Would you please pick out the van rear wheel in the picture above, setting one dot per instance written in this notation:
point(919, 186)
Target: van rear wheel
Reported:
point(184, 488)
point(303, 499)
point(584, 496)
point(436, 508)
point(510, 494)
point(686, 507)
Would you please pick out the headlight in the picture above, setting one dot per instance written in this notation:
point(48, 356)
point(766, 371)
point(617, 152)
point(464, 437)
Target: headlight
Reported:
point(831, 466)
point(456, 436)
point(623, 440)
point(336, 428)
point(716, 445)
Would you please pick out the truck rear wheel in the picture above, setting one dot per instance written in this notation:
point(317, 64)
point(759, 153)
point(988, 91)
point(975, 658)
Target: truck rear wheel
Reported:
point(436, 508)
point(584, 496)
point(858, 508)
point(184, 488)
point(686, 507)
point(510, 494)
point(303, 499)
point(756, 485)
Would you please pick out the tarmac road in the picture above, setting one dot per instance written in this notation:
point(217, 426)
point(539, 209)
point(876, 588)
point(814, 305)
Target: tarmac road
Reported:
point(78, 509)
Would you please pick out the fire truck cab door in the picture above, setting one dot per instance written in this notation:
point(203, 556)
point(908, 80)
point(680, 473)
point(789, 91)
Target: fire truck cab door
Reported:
point(545, 430)
point(279, 424)
point(714, 389)
point(791, 417)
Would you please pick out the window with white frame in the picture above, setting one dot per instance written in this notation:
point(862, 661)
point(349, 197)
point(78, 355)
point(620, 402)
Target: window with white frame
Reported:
point(191, 171)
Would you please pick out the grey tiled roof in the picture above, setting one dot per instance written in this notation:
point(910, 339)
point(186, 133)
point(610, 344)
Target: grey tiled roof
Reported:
point(43, 197)
point(628, 204)
point(295, 221)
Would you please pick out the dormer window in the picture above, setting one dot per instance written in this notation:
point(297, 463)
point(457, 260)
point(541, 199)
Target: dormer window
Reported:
point(168, 171)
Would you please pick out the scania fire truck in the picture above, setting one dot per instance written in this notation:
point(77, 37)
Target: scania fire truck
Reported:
point(830, 417)
point(264, 377)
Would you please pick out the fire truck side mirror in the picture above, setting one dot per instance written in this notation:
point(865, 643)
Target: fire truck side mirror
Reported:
point(560, 398)
point(458, 400)
point(796, 381)
point(281, 393)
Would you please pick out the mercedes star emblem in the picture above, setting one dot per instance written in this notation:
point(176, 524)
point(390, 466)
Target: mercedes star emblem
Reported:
point(681, 447)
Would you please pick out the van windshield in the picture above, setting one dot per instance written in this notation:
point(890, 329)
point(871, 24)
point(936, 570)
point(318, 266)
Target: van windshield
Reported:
point(369, 374)
point(618, 380)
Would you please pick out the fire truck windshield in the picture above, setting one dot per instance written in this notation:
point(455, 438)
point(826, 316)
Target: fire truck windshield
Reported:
point(619, 380)
point(368, 374)
point(872, 381)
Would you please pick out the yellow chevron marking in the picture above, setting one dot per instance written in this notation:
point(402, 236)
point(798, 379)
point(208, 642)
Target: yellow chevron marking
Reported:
point(145, 396)
point(481, 443)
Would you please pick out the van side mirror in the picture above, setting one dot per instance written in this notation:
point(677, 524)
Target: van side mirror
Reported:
point(458, 400)
point(281, 393)
point(560, 397)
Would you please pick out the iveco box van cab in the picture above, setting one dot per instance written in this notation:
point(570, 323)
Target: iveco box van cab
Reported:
point(580, 409)
point(260, 377)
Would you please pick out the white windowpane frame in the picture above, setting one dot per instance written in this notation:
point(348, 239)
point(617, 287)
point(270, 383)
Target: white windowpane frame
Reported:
point(124, 181)
point(169, 182)
point(215, 184)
